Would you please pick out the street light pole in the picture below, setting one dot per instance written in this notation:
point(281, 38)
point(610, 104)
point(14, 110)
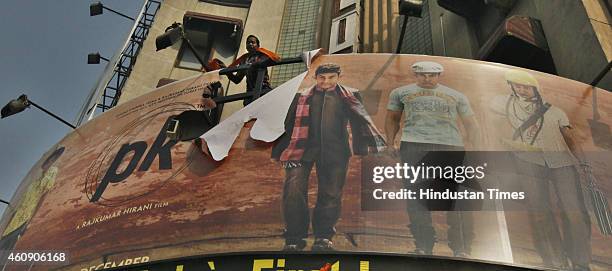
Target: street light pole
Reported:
point(601, 74)
point(118, 13)
point(401, 37)
point(174, 33)
point(21, 103)
point(52, 115)
point(97, 7)
point(408, 8)
point(193, 50)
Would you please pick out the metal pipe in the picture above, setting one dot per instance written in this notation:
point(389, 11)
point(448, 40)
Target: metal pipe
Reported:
point(290, 60)
point(229, 70)
point(442, 33)
point(51, 114)
point(401, 37)
point(119, 13)
point(233, 97)
point(244, 95)
point(601, 74)
point(261, 73)
point(193, 49)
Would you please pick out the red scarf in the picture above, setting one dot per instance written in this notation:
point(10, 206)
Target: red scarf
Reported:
point(299, 136)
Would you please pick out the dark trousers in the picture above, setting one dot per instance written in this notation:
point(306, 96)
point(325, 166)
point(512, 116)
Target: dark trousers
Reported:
point(461, 223)
point(331, 177)
point(537, 181)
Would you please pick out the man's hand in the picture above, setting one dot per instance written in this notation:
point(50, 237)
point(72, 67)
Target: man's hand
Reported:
point(392, 151)
point(208, 103)
point(392, 125)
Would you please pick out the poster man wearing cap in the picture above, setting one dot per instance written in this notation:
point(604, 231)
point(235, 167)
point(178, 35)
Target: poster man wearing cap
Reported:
point(316, 134)
point(540, 136)
point(430, 135)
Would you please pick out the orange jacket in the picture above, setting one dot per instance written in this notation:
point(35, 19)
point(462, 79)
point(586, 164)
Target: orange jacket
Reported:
point(273, 56)
point(216, 64)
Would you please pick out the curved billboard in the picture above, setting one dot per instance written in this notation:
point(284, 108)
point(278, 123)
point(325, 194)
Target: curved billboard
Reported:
point(383, 154)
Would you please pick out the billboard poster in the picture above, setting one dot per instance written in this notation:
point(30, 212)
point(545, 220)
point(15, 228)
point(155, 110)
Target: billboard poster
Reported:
point(386, 154)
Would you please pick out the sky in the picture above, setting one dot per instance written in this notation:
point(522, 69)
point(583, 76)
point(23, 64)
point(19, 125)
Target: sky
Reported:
point(43, 54)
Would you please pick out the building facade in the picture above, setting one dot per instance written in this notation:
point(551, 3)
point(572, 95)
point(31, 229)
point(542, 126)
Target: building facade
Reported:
point(575, 36)
point(559, 32)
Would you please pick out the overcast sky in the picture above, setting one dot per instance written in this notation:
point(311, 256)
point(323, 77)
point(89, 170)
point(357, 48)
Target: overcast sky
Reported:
point(43, 54)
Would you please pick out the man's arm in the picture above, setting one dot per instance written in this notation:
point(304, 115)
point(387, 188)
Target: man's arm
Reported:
point(236, 77)
point(262, 61)
point(283, 141)
point(360, 142)
point(473, 130)
point(392, 125)
point(216, 64)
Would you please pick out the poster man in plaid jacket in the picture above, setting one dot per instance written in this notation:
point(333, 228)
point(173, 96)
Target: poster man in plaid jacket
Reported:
point(316, 134)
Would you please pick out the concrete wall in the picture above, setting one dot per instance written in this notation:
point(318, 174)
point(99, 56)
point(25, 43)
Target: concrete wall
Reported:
point(323, 28)
point(451, 33)
point(346, 3)
point(601, 20)
point(151, 65)
point(571, 28)
point(264, 20)
point(380, 30)
point(574, 45)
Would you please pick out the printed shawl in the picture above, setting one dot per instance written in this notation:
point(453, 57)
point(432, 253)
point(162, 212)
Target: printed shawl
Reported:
point(299, 136)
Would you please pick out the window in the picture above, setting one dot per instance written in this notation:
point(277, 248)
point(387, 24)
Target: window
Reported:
point(342, 31)
point(201, 43)
point(232, 3)
point(211, 37)
point(336, 8)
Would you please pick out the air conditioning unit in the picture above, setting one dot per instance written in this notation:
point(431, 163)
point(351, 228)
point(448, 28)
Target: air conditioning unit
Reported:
point(411, 8)
point(466, 8)
point(519, 41)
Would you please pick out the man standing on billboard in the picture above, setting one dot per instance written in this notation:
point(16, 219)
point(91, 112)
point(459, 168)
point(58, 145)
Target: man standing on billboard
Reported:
point(543, 147)
point(255, 55)
point(430, 135)
point(316, 134)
